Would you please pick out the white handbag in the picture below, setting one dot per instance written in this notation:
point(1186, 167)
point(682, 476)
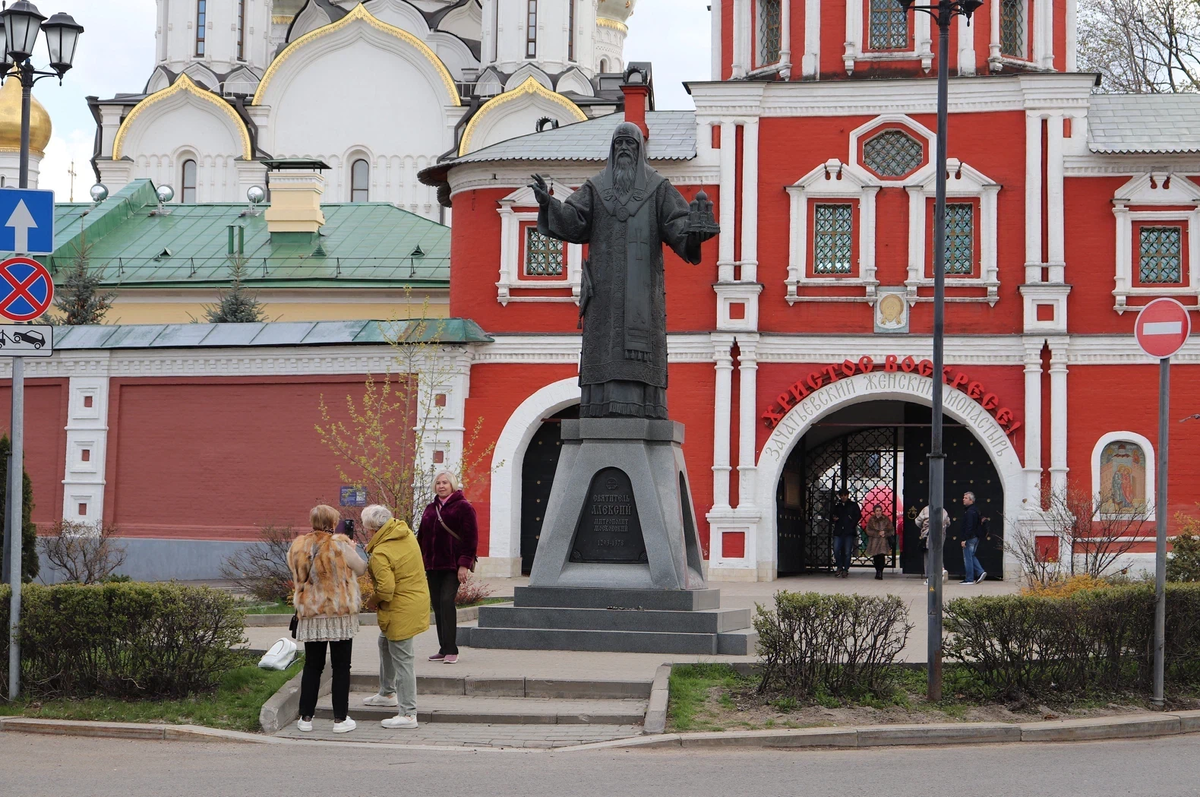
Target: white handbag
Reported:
point(280, 656)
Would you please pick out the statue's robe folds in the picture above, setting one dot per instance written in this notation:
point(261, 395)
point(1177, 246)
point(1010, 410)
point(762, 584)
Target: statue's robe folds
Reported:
point(623, 369)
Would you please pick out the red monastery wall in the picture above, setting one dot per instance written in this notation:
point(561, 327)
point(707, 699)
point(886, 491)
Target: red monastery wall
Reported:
point(45, 442)
point(195, 459)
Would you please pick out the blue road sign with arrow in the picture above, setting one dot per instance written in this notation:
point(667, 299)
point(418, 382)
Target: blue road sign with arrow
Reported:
point(26, 221)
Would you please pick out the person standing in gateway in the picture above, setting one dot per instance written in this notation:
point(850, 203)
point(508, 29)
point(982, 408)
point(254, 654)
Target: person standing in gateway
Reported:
point(972, 530)
point(846, 517)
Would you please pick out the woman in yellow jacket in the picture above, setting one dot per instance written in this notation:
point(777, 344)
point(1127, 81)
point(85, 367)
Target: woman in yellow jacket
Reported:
point(401, 601)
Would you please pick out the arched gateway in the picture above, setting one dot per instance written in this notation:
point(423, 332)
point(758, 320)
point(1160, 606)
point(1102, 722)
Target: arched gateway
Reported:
point(890, 387)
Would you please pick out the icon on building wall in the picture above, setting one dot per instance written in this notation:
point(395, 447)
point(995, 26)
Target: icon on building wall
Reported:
point(891, 311)
point(1122, 478)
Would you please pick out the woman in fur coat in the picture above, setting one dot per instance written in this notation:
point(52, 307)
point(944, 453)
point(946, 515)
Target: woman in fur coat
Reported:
point(325, 569)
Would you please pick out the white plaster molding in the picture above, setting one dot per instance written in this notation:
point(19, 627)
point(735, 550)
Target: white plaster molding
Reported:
point(820, 349)
point(832, 180)
point(519, 429)
point(964, 182)
point(1148, 190)
point(1058, 413)
point(87, 430)
point(810, 65)
point(882, 387)
point(722, 412)
point(516, 210)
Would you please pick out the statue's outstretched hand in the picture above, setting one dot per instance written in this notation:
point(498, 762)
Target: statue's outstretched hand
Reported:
point(540, 190)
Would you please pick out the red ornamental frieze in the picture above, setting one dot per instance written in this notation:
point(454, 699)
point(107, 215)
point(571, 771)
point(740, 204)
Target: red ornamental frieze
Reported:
point(952, 376)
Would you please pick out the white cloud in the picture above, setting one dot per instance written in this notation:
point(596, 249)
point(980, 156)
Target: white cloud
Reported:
point(63, 152)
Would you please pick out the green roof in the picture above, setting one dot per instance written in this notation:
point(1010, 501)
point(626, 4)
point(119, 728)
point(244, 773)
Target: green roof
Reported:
point(271, 333)
point(362, 244)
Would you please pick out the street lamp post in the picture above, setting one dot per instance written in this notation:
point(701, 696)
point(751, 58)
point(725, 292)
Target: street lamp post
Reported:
point(20, 25)
point(943, 13)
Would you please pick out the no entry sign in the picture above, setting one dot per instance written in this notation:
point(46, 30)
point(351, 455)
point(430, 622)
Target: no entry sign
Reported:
point(26, 289)
point(1162, 327)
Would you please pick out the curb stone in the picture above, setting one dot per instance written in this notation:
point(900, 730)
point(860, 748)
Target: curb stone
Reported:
point(283, 707)
point(128, 730)
point(656, 711)
point(1082, 730)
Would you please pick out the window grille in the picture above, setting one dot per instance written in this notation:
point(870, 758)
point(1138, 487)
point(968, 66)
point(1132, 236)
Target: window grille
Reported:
point(888, 27)
point(1160, 255)
point(833, 234)
point(543, 255)
point(893, 153)
point(960, 238)
point(769, 30)
point(1012, 28)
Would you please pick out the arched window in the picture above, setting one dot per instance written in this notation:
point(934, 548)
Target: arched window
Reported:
point(360, 176)
point(531, 28)
point(570, 30)
point(604, 65)
point(769, 16)
point(201, 25)
point(188, 193)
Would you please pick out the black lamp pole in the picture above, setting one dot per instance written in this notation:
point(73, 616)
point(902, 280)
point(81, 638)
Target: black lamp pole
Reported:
point(943, 13)
point(20, 25)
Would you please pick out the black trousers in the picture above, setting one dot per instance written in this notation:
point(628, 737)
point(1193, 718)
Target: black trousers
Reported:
point(878, 561)
point(314, 665)
point(443, 586)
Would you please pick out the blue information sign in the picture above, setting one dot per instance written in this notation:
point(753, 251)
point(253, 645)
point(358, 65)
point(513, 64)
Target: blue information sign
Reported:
point(26, 221)
point(354, 496)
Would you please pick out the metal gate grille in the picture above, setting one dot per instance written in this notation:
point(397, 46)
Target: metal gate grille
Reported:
point(868, 463)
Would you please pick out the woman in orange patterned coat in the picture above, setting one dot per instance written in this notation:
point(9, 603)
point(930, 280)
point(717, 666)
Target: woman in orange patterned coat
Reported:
point(325, 569)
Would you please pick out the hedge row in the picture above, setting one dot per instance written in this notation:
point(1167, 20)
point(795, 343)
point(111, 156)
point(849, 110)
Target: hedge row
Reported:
point(835, 645)
point(122, 640)
point(1094, 641)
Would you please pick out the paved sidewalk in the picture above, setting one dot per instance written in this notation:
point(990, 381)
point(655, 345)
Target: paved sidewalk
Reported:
point(579, 665)
point(467, 735)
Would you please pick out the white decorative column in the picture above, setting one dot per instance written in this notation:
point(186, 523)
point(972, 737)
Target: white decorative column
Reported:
point(1033, 418)
point(785, 40)
point(747, 404)
point(811, 65)
point(1058, 415)
point(1055, 220)
point(966, 47)
point(995, 57)
point(1033, 197)
point(748, 257)
point(87, 446)
point(1043, 34)
point(741, 38)
point(728, 202)
point(722, 409)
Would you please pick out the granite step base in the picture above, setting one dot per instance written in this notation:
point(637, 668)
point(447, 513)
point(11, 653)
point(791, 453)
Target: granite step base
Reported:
point(705, 621)
point(736, 643)
point(470, 709)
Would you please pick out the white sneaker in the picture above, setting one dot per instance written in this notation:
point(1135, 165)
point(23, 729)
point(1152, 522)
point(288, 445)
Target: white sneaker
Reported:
point(408, 722)
point(381, 700)
point(304, 724)
point(345, 726)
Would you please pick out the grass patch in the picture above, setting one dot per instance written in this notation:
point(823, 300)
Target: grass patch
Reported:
point(485, 602)
point(690, 689)
point(234, 706)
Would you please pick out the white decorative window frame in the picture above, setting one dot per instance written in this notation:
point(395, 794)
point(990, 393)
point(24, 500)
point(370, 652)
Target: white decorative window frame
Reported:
point(832, 180)
point(965, 182)
point(1147, 449)
point(892, 121)
point(856, 35)
point(784, 65)
point(1149, 190)
point(515, 210)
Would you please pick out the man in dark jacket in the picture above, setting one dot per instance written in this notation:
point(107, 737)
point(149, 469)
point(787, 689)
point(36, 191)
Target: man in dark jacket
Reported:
point(846, 516)
point(972, 530)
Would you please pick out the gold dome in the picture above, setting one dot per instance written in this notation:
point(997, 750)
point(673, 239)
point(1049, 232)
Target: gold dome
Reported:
point(10, 120)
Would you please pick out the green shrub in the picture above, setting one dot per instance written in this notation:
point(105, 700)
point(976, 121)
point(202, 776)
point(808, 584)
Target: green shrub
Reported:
point(1093, 641)
point(123, 639)
point(835, 646)
point(29, 547)
point(1183, 564)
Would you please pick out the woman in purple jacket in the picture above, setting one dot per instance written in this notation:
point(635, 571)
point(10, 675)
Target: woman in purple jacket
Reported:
point(448, 536)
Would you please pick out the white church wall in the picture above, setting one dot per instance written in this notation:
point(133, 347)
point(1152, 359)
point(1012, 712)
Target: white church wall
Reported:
point(465, 21)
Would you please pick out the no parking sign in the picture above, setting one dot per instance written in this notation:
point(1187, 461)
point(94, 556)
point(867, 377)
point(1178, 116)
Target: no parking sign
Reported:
point(26, 289)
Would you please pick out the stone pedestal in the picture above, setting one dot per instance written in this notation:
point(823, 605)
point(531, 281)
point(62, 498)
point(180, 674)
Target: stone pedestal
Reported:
point(618, 565)
point(620, 514)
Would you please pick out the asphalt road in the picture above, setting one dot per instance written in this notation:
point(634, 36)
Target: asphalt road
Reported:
point(48, 766)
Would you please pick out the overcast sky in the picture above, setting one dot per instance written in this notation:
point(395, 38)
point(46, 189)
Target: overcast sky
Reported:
point(116, 54)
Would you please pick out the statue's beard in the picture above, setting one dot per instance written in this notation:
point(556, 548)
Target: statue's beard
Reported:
point(624, 173)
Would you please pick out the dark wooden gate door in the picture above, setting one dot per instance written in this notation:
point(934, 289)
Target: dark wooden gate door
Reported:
point(968, 467)
point(537, 478)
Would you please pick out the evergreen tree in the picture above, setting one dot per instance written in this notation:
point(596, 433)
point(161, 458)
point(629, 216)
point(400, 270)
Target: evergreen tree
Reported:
point(237, 305)
point(77, 293)
point(29, 552)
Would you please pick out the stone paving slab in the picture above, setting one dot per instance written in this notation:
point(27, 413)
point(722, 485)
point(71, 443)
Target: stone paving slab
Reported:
point(467, 735)
point(500, 710)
